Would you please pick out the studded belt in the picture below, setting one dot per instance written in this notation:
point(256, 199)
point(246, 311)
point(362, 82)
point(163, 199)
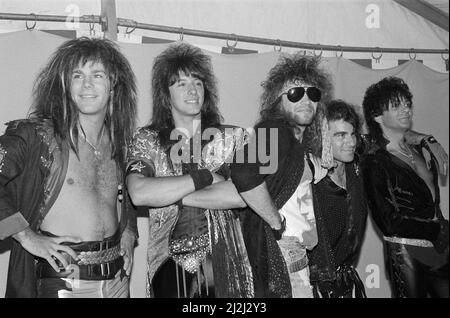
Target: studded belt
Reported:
point(98, 257)
point(408, 241)
point(96, 260)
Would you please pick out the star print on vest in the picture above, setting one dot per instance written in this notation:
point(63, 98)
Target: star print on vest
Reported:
point(139, 166)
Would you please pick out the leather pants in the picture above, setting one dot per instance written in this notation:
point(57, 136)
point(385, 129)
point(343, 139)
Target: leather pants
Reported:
point(198, 285)
point(410, 278)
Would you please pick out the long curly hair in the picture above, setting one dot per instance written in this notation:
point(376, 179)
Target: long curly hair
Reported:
point(378, 96)
point(190, 60)
point(53, 100)
point(338, 109)
point(291, 67)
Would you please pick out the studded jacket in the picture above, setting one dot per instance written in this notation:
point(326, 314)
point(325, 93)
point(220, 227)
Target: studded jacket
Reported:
point(341, 220)
point(33, 166)
point(146, 156)
point(400, 201)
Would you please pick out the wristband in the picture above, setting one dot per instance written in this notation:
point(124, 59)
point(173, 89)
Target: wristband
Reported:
point(428, 140)
point(431, 140)
point(179, 204)
point(202, 178)
point(279, 233)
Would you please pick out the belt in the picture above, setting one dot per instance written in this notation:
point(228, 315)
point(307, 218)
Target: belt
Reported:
point(102, 271)
point(298, 265)
point(96, 260)
point(408, 241)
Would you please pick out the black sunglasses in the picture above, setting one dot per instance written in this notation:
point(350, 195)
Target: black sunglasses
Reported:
point(296, 93)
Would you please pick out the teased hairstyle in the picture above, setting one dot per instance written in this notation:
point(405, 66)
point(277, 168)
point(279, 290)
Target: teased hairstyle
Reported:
point(339, 109)
point(290, 68)
point(189, 60)
point(52, 98)
point(390, 90)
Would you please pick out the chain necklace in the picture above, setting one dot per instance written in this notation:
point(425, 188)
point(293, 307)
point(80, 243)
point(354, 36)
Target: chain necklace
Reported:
point(408, 154)
point(97, 153)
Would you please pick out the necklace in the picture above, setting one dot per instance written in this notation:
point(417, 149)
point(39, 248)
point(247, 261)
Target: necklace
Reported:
point(408, 154)
point(97, 153)
point(338, 177)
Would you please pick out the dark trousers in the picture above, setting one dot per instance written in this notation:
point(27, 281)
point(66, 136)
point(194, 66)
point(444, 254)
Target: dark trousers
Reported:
point(411, 278)
point(166, 285)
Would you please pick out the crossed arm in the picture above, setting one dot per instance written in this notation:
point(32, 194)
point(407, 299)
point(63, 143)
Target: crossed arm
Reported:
point(224, 195)
point(163, 191)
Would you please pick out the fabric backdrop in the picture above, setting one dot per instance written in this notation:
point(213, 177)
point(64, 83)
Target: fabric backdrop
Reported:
point(23, 53)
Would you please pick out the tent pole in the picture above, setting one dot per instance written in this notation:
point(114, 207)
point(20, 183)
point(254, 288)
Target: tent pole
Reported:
point(274, 42)
point(113, 22)
point(108, 13)
point(48, 18)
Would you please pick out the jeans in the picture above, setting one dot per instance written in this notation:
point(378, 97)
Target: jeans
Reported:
point(77, 288)
point(293, 251)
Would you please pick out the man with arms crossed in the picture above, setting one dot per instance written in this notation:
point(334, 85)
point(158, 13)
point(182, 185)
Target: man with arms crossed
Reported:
point(195, 245)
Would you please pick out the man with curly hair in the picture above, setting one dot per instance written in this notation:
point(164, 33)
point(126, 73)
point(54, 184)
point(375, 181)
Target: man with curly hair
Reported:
point(340, 209)
point(291, 110)
point(178, 168)
point(403, 194)
point(61, 178)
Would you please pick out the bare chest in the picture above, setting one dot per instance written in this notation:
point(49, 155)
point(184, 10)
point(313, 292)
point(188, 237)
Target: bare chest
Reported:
point(95, 176)
point(422, 171)
point(86, 205)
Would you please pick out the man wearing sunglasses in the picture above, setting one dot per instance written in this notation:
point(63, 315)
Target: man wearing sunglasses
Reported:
point(292, 102)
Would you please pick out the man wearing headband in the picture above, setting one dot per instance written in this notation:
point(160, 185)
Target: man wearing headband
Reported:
point(292, 105)
point(403, 195)
point(61, 192)
point(195, 246)
point(340, 209)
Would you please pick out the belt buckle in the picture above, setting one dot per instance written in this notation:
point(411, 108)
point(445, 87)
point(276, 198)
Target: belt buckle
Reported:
point(105, 267)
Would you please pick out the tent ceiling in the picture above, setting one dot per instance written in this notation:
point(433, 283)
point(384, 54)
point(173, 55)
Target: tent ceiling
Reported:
point(428, 10)
point(440, 4)
point(308, 21)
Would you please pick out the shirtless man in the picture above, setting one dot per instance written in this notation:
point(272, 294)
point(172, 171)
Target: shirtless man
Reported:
point(403, 195)
point(61, 193)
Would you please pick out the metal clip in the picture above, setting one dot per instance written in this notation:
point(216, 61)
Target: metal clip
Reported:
point(105, 267)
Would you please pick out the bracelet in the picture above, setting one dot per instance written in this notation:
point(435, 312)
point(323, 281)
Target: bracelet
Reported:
point(202, 178)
